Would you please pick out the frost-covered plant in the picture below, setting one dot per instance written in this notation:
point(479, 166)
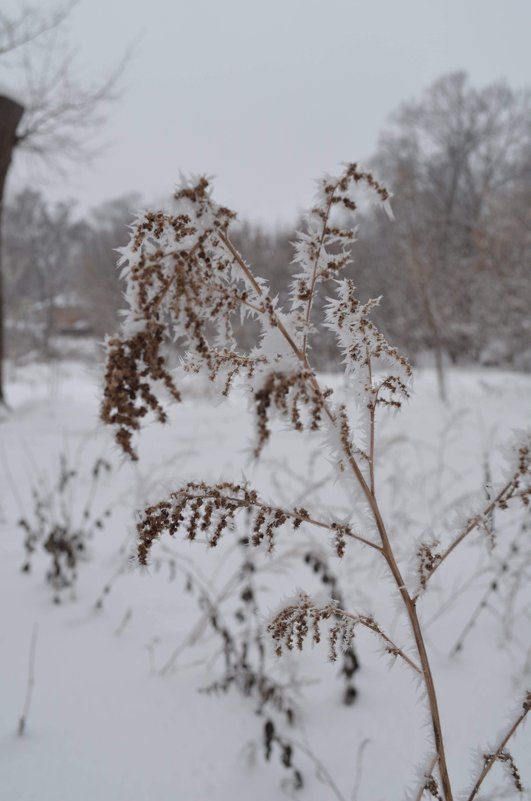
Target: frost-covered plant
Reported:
point(56, 528)
point(233, 615)
point(187, 284)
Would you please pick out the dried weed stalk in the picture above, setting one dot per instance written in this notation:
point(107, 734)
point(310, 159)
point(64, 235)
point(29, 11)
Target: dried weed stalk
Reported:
point(186, 284)
point(349, 660)
point(233, 615)
point(57, 529)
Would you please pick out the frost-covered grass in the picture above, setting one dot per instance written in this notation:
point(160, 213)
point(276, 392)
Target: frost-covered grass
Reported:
point(104, 724)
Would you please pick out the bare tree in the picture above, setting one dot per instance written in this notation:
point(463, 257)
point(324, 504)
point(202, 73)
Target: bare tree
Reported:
point(42, 262)
point(61, 114)
point(455, 153)
point(99, 281)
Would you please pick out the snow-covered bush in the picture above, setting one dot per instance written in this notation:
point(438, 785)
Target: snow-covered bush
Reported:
point(187, 284)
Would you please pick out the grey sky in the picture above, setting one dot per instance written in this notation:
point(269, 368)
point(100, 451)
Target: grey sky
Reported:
point(268, 95)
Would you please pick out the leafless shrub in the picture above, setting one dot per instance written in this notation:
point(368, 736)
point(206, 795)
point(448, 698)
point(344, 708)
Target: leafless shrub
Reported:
point(55, 528)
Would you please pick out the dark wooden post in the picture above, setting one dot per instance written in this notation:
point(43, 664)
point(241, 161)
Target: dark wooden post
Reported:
point(10, 115)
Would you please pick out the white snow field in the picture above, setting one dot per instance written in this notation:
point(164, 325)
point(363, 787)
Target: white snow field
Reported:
point(105, 725)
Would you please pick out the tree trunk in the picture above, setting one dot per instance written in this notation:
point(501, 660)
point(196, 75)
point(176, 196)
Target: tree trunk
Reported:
point(422, 283)
point(10, 115)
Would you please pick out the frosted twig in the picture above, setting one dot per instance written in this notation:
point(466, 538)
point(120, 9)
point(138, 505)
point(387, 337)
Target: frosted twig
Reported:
point(509, 491)
point(490, 759)
point(427, 776)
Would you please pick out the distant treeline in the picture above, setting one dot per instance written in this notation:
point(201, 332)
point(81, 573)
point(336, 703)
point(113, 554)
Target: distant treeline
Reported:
point(454, 268)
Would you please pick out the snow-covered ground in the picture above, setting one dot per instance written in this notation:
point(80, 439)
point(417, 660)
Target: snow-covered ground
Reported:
point(105, 725)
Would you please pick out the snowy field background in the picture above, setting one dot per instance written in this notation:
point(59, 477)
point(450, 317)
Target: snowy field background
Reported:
point(105, 724)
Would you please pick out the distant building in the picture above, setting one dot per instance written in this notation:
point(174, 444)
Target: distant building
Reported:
point(65, 315)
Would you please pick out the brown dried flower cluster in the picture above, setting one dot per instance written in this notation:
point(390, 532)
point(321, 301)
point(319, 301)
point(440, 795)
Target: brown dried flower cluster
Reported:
point(517, 486)
point(199, 508)
point(187, 283)
point(132, 365)
point(178, 285)
point(428, 559)
point(366, 351)
point(432, 787)
point(506, 758)
point(293, 624)
point(288, 394)
point(327, 246)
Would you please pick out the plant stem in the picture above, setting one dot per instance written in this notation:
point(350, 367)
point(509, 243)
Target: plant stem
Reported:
point(473, 523)
point(393, 647)
point(250, 277)
point(427, 775)
point(314, 274)
point(386, 548)
point(372, 421)
point(489, 762)
point(411, 610)
point(31, 681)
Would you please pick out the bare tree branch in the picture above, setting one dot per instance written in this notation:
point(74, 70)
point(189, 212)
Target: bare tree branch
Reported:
point(30, 24)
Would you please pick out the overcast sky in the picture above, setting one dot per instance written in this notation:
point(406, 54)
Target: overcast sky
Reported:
point(268, 95)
